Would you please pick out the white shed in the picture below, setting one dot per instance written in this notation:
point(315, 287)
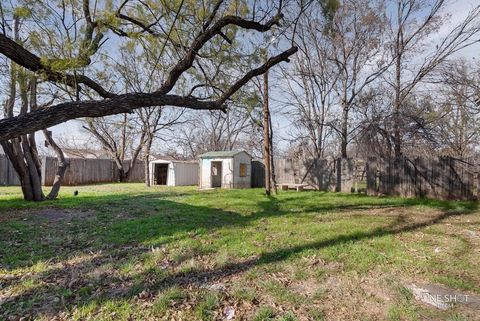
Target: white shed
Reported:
point(226, 169)
point(173, 172)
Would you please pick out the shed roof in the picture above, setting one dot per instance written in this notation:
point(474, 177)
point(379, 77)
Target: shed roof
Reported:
point(222, 153)
point(167, 161)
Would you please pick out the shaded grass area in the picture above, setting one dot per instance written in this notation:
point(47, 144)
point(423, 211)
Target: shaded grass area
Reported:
point(120, 251)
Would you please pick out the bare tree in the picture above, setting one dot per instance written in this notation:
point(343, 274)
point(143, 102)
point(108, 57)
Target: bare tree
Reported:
point(236, 129)
point(121, 138)
point(309, 84)
point(357, 36)
point(412, 26)
point(153, 122)
point(458, 112)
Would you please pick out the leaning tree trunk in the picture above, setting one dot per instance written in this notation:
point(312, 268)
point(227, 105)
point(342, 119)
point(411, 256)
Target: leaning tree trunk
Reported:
point(63, 164)
point(27, 164)
point(22, 152)
point(19, 154)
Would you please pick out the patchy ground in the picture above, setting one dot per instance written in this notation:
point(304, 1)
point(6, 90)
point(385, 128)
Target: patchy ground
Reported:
point(125, 252)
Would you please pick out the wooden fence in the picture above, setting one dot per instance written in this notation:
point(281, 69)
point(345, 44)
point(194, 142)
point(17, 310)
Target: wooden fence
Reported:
point(80, 172)
point(440, 178)
point(323, 174)
point(88, 171)
point(8, 175)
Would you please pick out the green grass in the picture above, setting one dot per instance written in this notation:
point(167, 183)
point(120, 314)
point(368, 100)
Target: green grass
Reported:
point(124, 251)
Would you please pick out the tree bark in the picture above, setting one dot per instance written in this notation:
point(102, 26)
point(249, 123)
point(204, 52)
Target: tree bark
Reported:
point(266, 136)
point(146, 160)
point(397, 140)
point(344, 132)
point(53, 115)
point(62, 165)
point(35, 176)
point(272, 164)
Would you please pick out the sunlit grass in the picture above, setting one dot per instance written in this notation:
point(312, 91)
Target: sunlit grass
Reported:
point(120, 251)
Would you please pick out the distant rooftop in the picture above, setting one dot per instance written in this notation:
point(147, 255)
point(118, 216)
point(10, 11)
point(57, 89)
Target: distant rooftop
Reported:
point(221, 153)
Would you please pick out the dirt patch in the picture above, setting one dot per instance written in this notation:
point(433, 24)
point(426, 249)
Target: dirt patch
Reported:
point(49, 214)
point(63, 215)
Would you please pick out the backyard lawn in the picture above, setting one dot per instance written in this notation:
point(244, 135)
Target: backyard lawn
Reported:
point(127, 252)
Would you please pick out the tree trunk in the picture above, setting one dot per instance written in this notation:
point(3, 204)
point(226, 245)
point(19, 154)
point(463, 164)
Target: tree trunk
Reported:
point(22, 160)
point(396, 112)
point(62, 165)
point(33, 172)
point(146, 160)
point(266, 135)
point(344, 132)
point(398, 100)
point(272, 165)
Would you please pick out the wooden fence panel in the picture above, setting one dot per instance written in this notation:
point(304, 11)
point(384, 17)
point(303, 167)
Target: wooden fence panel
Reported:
point(138, 173)
point(321, 174)
point(8, 176)
point(440, 178)
point(89, 171)
point(80, 172)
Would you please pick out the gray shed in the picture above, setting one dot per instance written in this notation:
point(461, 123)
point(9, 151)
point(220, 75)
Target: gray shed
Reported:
point(225, 169)
point(173, 172)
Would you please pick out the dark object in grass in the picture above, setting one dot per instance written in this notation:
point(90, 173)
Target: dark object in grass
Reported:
point(75, 193)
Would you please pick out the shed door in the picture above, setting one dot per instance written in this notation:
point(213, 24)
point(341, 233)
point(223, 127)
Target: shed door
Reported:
point(216, 174)
point(161, 172)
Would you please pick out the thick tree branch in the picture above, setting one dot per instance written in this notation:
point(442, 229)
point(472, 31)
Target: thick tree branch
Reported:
point(54, 115)
point(30, 61)
point(284, 56)
point(205, 36)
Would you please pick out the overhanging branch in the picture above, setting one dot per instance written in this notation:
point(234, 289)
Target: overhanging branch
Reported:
point(30, 61)
point(53, 115)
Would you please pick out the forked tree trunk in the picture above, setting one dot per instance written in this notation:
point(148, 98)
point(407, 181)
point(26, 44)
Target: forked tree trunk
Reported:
point(28, 167)
point(22, 152)
point(22, 161)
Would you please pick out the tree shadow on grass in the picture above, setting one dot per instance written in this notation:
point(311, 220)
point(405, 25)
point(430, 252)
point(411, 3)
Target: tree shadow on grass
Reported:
point(132, 219)
point(124, 241)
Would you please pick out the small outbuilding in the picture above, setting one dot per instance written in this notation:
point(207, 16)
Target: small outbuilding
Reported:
point(225, 169)
point(173, 172)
